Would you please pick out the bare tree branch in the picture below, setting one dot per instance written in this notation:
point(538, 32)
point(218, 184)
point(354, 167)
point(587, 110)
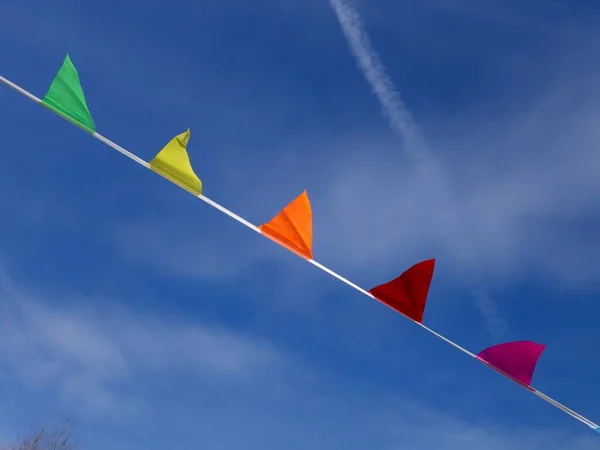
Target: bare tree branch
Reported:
point(61, 438)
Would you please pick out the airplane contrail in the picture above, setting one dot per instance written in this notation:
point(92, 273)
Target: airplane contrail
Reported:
point(404, 126)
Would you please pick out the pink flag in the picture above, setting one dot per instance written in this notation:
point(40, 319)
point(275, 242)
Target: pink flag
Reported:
point(515, 359)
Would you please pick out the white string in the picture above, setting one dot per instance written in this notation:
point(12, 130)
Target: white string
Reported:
point(248, 224)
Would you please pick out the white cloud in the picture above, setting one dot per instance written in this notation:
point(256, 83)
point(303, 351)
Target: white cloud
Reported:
point(430, 174)
point(420, 427)
point(83, 350)
point(320, 414)
point(524, 184)
point(84, 353)
point(178, 248)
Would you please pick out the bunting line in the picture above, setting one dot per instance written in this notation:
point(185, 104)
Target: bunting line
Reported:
point(399, 294)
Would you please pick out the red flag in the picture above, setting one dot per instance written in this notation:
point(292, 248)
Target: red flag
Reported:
point(407, 294)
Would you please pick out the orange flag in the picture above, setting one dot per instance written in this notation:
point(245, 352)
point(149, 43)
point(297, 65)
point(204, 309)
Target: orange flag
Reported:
point(292, 227)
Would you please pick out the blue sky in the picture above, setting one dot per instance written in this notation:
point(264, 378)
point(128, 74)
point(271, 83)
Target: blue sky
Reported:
point(160, 323)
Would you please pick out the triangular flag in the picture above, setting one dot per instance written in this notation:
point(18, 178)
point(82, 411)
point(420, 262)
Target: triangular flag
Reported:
point(65, 97)
point(173, 163)
point(517, 360)
point(292, 227)
point(407, 294)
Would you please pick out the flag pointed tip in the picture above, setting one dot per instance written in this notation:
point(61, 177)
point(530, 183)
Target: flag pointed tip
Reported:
point(428, 265)
point(173, 163)
point(407, 293)
point(516, 359)
point(292, 227)
point(65, 97)
point(184, 138)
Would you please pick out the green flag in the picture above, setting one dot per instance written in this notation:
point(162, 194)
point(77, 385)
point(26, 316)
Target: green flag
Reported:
point(66, 98)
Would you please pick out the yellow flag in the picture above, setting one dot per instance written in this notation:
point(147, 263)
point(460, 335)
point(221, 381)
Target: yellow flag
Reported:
point(173, 163)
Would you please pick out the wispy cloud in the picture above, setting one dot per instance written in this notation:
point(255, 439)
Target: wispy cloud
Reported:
point(404, 125)
point(381, 422)
point(422, 427)
point(520, 181)
point(83, 350)
point(96, 357)
point(526, 184)
point(176, 248)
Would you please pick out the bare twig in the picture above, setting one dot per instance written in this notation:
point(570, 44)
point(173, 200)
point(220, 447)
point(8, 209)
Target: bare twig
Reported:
point(61, 438)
